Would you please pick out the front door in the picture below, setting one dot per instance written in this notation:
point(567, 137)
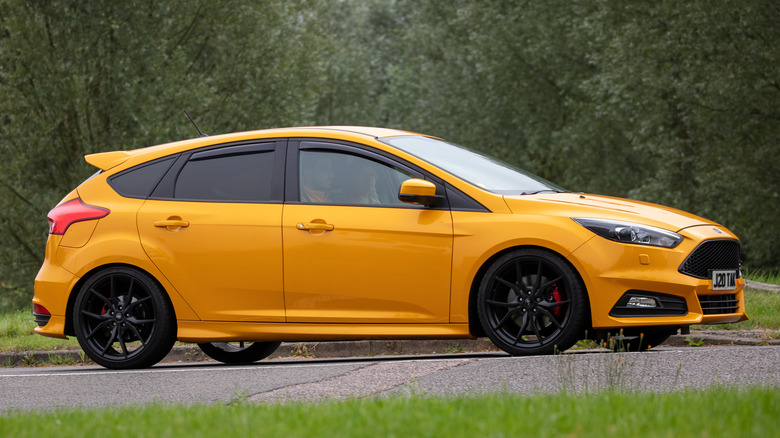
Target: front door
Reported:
point(353, 253)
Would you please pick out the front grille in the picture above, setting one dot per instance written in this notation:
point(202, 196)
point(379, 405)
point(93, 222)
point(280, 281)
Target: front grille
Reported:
point(722, 254)
point(718, 304)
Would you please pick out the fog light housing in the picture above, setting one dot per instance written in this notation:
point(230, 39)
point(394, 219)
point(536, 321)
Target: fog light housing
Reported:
point(639, 303)
point(642, 302)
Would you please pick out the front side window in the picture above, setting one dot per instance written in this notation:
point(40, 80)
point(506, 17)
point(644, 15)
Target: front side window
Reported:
point(232, 175)
point(340, 178)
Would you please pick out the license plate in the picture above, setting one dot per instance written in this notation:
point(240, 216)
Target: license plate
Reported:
point(724, 280)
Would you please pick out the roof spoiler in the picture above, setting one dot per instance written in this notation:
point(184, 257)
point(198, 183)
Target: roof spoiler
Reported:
point(107, 160)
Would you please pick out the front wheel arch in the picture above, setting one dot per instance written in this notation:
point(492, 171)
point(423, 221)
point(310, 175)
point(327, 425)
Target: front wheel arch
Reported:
point(475, 325)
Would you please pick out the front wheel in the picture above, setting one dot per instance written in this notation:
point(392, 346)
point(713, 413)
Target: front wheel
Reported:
point(531, 301)
point(123, 319)
point(239, 352)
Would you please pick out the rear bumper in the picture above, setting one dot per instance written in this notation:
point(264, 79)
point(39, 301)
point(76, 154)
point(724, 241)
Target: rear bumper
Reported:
point(52, 289)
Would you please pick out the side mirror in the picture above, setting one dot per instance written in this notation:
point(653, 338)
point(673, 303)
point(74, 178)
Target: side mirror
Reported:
point(418, 191)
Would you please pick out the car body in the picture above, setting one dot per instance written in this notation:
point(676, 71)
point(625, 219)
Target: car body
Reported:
point(240, 241)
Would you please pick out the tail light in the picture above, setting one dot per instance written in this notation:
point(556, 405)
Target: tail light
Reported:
point(75, 210)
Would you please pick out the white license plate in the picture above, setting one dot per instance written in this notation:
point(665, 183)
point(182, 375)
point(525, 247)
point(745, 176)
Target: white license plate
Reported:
point(724, 280)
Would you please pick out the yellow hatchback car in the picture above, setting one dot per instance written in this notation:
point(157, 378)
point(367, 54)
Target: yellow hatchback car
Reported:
point(240, 241)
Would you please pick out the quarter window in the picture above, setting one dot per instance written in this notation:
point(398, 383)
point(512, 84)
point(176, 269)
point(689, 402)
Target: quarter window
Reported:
point(139, 181)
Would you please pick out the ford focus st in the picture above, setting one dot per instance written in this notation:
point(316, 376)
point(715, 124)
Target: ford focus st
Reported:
point(238, 242)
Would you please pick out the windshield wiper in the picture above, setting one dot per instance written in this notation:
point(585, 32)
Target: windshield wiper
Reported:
point(542, 191)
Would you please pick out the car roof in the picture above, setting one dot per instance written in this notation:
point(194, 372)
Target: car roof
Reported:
point(108, 160)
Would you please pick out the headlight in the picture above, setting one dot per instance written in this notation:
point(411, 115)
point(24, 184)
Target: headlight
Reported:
point(628, 232)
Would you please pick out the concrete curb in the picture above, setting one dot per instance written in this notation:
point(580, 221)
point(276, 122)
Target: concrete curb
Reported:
point(297, 350)
point(762, 286)
point(343, 349)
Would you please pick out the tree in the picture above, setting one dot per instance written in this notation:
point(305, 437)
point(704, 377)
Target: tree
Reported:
point(84, 77)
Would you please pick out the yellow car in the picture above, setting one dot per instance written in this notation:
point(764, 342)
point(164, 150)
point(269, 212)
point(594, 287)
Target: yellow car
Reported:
point(240, 241)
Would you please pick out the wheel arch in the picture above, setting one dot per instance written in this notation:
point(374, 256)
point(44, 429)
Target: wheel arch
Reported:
point(70, 329)
point(475, 325)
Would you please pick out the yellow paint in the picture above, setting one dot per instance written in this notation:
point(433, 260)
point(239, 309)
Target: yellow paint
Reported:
point(265, 271)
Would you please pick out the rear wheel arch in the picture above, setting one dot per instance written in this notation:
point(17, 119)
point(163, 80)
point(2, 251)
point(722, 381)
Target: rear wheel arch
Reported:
point(70, 329)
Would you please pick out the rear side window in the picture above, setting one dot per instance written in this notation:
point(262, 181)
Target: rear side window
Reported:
point(234, 174)
point(139, 181)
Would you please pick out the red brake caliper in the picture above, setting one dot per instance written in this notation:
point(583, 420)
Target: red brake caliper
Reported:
point(556, 295)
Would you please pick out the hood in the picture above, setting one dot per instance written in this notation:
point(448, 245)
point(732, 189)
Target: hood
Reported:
point(605, 207)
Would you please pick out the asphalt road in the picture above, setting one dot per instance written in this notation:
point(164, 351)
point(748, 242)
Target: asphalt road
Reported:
point(661, 369)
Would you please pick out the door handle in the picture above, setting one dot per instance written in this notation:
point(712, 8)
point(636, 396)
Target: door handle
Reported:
point(313, 226)
point(172, 223)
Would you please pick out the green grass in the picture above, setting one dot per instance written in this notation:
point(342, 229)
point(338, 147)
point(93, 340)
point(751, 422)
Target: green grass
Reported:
point(763, 276)
point(16, 335)
point(711, 413)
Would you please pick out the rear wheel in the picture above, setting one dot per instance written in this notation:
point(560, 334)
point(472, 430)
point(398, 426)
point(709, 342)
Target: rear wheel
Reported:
point(123, 319)
point(532, 302)
point(239, 352)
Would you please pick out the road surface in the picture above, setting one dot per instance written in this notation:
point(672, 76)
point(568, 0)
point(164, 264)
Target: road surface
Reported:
point(662, 369)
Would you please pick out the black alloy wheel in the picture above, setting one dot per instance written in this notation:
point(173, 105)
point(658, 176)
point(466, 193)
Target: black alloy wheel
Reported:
point(239, 352)
point(531, 301)
point(123, 319)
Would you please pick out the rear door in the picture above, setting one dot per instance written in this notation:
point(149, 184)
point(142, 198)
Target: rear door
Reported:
point(212, 228)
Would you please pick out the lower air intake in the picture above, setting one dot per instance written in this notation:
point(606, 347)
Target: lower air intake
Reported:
point(719, 304)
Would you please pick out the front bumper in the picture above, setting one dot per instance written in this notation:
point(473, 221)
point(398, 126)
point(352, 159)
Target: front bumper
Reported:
point(614, 271)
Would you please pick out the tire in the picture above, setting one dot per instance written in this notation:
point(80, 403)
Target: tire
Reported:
point(239, 352)
point(531, 301)
point(636, 339)
point(123, 319)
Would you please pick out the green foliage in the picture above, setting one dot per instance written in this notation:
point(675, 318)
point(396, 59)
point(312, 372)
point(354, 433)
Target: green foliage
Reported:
point(84, 77)
point(691, 341)
point(664, 101)
point(667, 102)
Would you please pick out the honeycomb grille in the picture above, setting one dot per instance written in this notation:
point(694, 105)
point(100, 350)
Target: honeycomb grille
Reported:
point(712, 255)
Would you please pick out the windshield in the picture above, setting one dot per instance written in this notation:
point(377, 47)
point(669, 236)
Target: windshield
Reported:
point(482, 171)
